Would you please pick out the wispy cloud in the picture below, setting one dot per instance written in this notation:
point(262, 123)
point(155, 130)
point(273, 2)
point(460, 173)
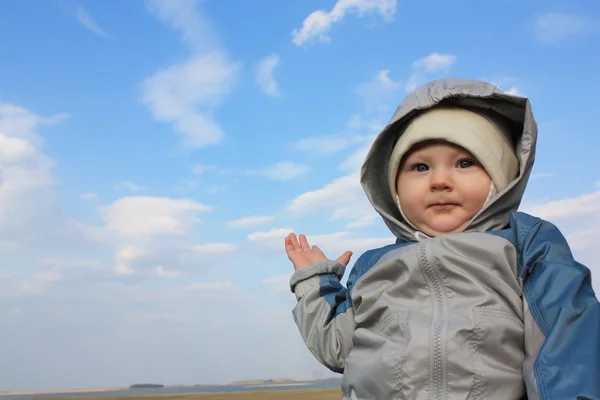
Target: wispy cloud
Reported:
point(250, 222)
point(127, 186)
point(183, 16)
point(275, 233)
point(89, 22)
point(434, 63)
point(318, 24)
point(281, 171)
point(214, 248)
point(328, 144)
point(554, 27)
point(143, 216)
point(186, 94)
point(380, 91)
point(264, 75)
point(508, 84)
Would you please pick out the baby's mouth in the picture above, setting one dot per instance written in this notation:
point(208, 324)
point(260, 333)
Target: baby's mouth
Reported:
point(442, 206)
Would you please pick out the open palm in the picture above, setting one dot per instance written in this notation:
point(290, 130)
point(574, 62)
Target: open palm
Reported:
point(302, 255)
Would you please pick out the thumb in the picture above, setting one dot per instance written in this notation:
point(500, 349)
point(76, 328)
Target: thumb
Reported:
point(344, 259)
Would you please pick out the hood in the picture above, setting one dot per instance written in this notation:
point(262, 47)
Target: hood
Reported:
point(462, 92)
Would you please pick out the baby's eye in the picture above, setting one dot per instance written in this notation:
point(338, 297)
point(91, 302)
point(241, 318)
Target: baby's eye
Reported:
point(419, 167)
point(465, 163)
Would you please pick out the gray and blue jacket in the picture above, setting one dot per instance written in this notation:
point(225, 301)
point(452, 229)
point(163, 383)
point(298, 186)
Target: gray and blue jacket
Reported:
point(499, 311)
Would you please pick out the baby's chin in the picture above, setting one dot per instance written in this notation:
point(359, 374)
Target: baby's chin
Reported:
point(443, 226)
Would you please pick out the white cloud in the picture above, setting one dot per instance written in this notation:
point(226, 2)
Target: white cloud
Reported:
point(328, 196)
point(264, 75)
point(383, 78)
point(508, 84)
point(144, 216)
point(250, 222)
point(342, 199)
point(214, 248)
point(281, 171)
point(187, 93)
point(174, 92)
point(88, 21)
point(183, 16)
point(434, 63)
point(26, 187)
point(124, 257)
point(554, 27)
point(275, 233)
point(318, 24)
point(587, 204)
point(14, 149)
point(515, 90)
point(578, 218)
point(586, 239)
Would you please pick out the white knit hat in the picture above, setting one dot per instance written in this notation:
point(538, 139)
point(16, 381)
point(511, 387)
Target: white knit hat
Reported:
point(487, 138)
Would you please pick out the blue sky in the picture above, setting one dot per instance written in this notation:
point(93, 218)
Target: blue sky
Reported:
point(154, 154)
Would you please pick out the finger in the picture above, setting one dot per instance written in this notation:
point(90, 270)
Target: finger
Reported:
point(304, 243)
point(294, 241)
point(318, 250)
point(344, 259)
point(288, 245)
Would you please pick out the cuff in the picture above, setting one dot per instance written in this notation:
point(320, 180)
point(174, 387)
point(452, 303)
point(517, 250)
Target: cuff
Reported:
point(320, 268)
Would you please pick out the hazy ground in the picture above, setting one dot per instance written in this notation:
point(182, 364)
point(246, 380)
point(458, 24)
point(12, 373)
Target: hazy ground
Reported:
point(301, 394)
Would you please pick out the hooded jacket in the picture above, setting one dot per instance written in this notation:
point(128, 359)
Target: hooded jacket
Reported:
point(501, 310)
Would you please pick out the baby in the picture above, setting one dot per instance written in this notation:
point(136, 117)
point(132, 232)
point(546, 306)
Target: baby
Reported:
point(474, 300)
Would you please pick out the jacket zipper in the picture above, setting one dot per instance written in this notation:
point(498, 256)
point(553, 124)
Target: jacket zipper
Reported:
point(438, 377)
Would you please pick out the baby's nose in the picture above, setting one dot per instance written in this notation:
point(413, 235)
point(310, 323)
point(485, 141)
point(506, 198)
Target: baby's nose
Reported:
point(440, 179)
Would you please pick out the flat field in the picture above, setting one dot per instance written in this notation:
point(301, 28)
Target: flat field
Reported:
point(290, 394)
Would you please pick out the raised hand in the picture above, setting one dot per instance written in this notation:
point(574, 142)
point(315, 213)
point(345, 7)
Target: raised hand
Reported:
point(302, 255)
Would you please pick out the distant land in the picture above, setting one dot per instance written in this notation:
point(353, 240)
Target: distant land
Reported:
point(145, 385)
point(276, 381)
point(250, 382)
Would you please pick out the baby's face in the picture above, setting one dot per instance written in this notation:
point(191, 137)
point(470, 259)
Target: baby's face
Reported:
point(441, 187)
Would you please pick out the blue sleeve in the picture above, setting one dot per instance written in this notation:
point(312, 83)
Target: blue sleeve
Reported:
point(563, 336)
point(338, 296)
point(324, 314)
